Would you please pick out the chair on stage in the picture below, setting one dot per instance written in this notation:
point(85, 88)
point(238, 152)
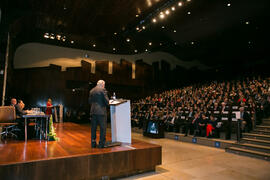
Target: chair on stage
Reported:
point(7, 120)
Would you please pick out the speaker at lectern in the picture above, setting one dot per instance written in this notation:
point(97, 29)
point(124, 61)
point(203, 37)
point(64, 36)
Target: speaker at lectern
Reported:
point(120, 121)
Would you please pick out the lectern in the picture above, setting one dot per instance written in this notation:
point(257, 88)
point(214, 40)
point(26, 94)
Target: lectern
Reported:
point(120, 120)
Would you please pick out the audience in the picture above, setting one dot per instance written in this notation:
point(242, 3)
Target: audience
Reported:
point(206, 109)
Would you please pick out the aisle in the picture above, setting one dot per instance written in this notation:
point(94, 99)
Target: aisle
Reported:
point(185, 161)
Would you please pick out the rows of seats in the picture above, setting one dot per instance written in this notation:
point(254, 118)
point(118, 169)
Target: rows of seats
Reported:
point(176, 108)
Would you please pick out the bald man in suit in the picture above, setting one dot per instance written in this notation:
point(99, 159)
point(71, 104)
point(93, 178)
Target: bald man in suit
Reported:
point(98, 99)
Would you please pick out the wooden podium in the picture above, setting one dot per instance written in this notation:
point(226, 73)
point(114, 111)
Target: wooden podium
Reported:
point(120, 121)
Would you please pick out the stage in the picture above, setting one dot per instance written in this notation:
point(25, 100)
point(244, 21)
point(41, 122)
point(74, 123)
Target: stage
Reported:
point(71, 157)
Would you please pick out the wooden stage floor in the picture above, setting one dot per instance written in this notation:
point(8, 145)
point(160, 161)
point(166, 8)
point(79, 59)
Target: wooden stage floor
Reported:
point(71, 157)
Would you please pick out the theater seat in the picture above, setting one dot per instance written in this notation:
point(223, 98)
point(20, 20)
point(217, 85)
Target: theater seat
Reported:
point(7, 120)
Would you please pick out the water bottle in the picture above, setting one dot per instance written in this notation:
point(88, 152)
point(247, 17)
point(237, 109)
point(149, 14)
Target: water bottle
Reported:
point(114, 96)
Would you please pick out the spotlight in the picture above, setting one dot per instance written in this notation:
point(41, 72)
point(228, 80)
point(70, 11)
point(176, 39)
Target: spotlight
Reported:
point(180, 4)
point(113, 49)
point(135, 50)
point(229, 4)
point(137, 28)
point(154, 20)
point(189, 13)
point(247, 22)
point(143, 27)
point(174, 31)
point(173, 8)
point(128, 40)
point(150, 43)
point(71, 42)
point(146, 50)
point(137, 15)
point(94, 45)
point(167, 12)
point(163, 27)
point(115, 33)
point(188, 0)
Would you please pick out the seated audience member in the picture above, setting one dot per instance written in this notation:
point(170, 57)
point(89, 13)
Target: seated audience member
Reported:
point(201, 126)
point(212, 128)
point(192, 124)
point(246, 120)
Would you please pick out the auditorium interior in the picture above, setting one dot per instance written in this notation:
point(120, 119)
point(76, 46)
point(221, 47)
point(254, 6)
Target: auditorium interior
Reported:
point(188, 84)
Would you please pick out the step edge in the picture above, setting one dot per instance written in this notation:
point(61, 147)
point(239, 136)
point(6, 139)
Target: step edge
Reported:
point(249, 151)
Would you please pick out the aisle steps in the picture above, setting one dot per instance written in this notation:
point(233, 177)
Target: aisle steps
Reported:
point(255, 144)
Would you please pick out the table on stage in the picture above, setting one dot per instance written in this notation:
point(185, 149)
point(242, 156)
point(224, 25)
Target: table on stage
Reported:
point(42, 117)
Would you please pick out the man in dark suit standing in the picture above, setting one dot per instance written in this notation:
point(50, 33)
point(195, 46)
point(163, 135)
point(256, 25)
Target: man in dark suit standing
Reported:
point(98, 99)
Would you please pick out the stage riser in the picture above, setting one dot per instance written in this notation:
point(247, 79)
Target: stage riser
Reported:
point(199, 140)
point(115, 164)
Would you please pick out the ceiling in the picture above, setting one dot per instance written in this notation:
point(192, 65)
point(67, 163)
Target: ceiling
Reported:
point(214, 32)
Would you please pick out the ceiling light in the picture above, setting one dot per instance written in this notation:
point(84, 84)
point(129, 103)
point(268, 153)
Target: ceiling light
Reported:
point(174, 31)
point(71, 42)
point(94, 45)
point(113, 49)
point(167, 12)
point(154, 20)
point(229, 4)
point(137, 15)
point(188, 0)
point(180, 4)
point(128, 40)
point(146, 50)
point(150, 43)
point(192, 42)
point(135, 50)
point(137, 28)
point(160, 44)
point(189, 12)
point(247, 22)
point(143, 27)
point(163, 27)
point(115, 33)
point(161, 16)
point(173, 8)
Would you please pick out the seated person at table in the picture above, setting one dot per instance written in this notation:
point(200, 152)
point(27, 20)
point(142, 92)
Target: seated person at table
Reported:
point(19, 113)
point(13, 102)
point(19, 109)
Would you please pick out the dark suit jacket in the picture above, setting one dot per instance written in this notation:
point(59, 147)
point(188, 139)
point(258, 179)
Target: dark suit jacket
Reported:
point(98, 99)
point(19, 111)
